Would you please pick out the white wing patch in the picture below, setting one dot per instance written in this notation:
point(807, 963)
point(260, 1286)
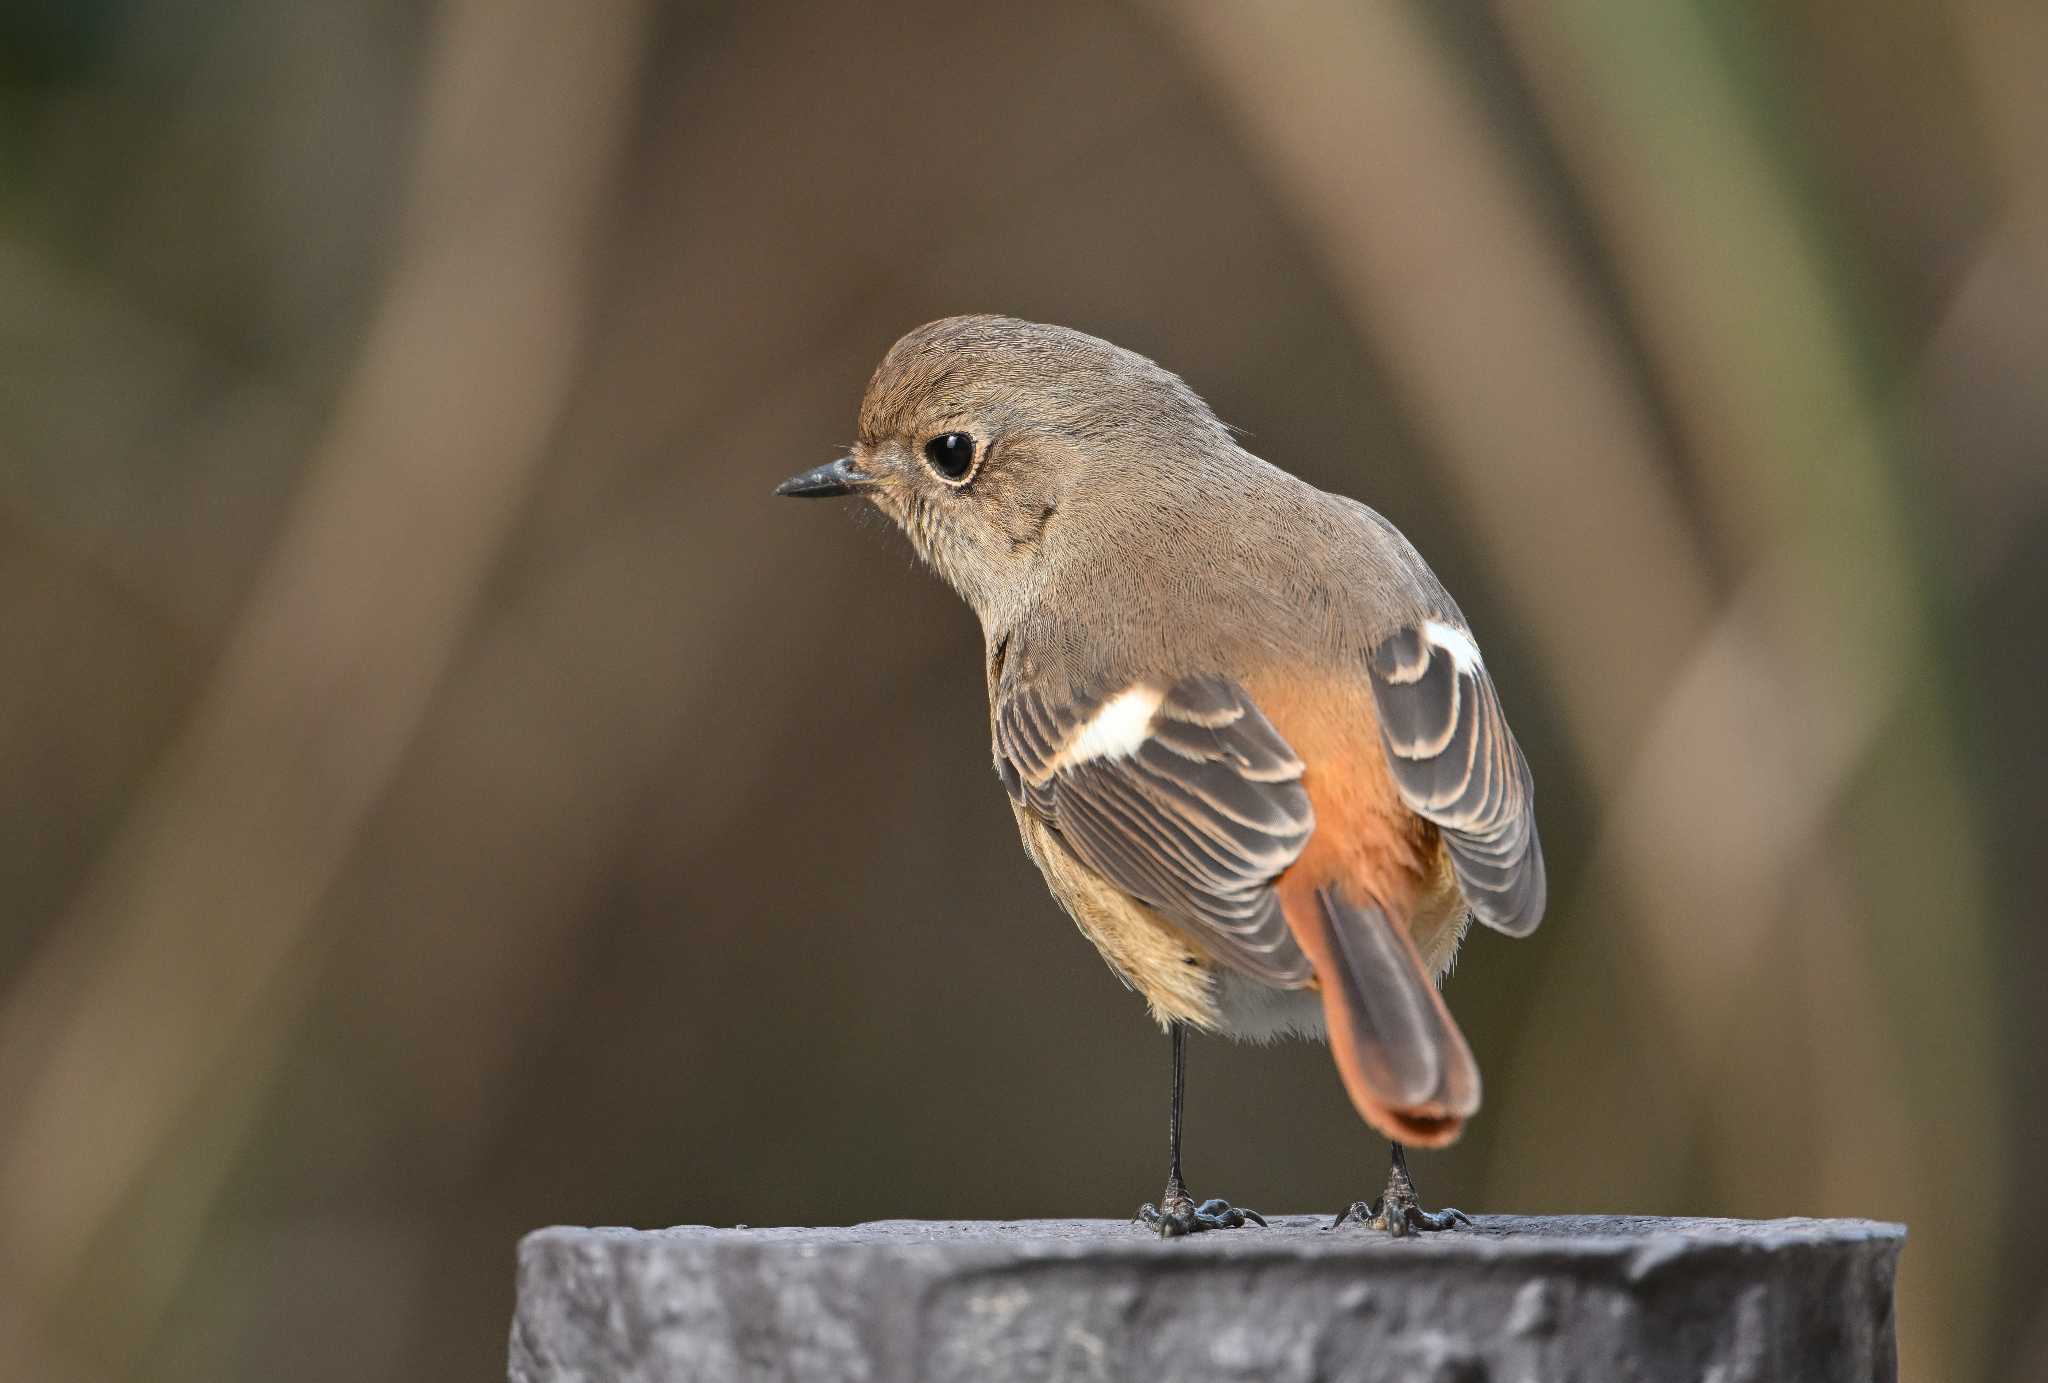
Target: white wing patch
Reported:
point(1456, 642)
point(1116, 730)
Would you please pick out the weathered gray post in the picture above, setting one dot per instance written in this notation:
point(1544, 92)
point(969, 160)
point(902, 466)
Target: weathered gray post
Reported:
point(1512, 1300)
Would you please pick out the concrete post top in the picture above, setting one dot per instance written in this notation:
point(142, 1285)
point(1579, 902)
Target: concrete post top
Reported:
point(1510, 1298)
point(1488, 1236)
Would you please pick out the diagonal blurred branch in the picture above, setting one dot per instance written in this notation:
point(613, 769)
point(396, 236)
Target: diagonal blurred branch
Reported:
point(1450, 269)
point(205, 907)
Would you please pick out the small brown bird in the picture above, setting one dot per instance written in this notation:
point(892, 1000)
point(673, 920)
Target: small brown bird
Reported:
point(1248, 738)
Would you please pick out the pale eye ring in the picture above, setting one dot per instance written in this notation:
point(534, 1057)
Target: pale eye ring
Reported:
point(951, 457)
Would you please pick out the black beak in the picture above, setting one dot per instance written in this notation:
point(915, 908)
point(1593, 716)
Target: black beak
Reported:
point(833, 478)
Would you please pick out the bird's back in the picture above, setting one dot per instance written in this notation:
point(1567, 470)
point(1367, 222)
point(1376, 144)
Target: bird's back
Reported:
point(1235, 567)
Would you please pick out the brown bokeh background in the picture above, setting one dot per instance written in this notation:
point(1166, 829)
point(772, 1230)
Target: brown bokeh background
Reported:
point(448, 796)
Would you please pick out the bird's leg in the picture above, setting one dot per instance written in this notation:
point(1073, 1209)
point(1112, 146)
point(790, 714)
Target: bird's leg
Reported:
point(1177, 1214)
point(1397, 1211)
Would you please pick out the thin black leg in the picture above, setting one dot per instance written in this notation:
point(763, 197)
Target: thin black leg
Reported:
point(1177, 1214)
point(1179, 1034)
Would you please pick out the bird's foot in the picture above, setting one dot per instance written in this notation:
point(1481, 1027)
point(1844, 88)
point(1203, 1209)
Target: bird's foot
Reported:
point(1398, 1212)
point(1177, 1214)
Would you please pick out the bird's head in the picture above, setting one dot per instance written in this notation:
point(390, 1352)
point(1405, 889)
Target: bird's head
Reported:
point(1004, 449)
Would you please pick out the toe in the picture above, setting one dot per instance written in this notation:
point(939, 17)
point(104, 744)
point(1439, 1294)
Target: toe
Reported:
point(1221, 1214)
point(1361, 1211)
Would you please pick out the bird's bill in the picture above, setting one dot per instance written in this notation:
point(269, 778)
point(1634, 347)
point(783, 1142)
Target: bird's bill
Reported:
point(822, 482)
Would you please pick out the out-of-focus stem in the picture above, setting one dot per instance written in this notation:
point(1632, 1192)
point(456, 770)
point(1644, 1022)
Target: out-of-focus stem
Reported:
point(176, 971)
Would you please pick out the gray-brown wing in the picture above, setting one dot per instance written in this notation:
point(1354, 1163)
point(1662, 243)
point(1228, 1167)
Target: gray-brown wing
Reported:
point(1456, 763)
point(1184, 796)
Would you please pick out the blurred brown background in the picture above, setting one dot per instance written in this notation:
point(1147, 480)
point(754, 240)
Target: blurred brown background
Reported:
point(448, 796)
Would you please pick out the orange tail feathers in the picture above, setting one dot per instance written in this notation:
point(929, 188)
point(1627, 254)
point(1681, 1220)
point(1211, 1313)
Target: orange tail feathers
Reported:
point(1403, 1060)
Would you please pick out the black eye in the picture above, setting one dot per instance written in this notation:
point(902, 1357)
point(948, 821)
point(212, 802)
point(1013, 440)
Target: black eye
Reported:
point(951, 454)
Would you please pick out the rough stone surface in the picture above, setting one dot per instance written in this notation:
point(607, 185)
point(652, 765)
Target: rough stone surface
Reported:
point(1513, 1300)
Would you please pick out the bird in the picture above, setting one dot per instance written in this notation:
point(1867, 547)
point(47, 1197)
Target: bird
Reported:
point(1248, 738)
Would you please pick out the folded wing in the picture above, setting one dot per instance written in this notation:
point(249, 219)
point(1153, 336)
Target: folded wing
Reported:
point(1456, 763)
point(1182, 794)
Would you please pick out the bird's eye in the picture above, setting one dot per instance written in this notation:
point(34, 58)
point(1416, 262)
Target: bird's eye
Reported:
point(951, 454)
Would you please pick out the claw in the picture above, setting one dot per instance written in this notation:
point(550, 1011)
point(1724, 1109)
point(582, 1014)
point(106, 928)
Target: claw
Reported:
point(1365, 1212)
